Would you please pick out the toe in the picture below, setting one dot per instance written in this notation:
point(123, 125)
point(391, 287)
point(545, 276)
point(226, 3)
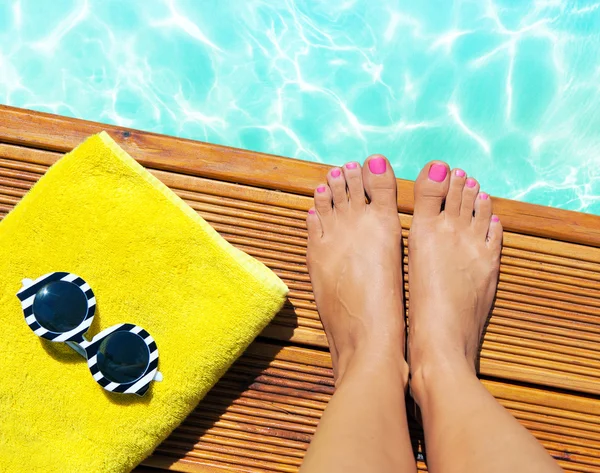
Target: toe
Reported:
point(380, 182)
point(454, 197)
point(431, 188)
point(313, 225)
point(323, 202)
point(469, 195)
point(354, 181)
point(495, 232)
point(337, 184)
point(483, 213)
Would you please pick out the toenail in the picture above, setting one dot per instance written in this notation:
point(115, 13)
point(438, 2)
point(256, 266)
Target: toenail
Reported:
point(495, 218)
point(483, 196)
point(471, 182)
point(336, 173)
point(351, 165)
point(460, 173)
point(321, 189)
point(377, 165)
point(311, 211)
point(437, 172)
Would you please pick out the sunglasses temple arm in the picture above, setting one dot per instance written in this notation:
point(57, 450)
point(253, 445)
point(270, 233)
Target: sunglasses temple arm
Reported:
point(77, 348)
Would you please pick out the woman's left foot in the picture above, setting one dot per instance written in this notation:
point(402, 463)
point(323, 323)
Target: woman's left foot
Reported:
point(355, 263)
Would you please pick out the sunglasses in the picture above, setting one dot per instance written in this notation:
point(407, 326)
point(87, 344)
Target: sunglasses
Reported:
point(60, 307)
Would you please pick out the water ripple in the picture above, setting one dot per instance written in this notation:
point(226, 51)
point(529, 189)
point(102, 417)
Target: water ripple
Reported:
point(507, 90)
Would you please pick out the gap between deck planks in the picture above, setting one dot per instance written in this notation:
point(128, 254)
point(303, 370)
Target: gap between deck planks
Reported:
point(544, 329)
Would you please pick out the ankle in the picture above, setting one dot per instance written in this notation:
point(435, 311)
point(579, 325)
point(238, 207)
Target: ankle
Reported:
point(436, 373)
point(370, 358)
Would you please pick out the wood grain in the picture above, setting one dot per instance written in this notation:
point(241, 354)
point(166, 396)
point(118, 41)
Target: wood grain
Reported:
point(544, 327)
point(263, 413)
point(51, 132)
point(540, 353)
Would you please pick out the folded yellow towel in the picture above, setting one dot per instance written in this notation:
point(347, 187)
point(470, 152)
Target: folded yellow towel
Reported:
point(151, 261)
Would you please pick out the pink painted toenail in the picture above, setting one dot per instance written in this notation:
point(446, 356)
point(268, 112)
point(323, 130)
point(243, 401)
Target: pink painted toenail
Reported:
point(438, 172)
point(495, 218)
point(336, 173)
point(377, 165)
point(311, 211)
point(460, 173)
point(321, 189)
point(471, 182)
point(483, 196)
point(351, 165)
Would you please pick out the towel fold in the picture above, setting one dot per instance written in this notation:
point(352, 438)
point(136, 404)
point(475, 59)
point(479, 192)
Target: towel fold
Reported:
point(151, 261)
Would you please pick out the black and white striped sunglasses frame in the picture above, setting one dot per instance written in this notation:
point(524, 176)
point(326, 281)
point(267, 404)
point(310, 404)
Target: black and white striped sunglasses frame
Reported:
point(76, 340)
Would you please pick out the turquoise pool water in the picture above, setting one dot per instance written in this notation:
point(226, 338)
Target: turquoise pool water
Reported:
point(509, 90)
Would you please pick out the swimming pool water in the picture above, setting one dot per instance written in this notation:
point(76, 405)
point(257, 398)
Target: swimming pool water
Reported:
point(509, 90)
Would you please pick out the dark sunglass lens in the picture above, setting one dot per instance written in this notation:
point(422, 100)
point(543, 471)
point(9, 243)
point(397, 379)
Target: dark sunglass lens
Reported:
point(60, 306)
point(123, 357)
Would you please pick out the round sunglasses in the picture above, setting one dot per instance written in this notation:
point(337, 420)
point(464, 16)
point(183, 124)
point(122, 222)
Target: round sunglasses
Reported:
point(60, 307)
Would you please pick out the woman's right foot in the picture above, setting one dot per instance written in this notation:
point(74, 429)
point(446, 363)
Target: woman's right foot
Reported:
point(454, 257)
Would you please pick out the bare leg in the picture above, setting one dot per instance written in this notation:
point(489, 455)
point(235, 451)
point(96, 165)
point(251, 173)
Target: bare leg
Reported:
point(355, 264)
point(454, 259)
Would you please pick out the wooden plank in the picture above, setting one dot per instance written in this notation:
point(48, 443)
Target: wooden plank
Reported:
point(261, 416)
point(544, 327)
point(50, 132)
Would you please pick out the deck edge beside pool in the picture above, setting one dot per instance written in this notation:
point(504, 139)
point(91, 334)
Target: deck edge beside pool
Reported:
point(57, 133)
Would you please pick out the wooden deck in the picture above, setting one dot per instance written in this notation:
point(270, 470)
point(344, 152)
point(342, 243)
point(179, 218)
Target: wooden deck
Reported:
point(541, 354)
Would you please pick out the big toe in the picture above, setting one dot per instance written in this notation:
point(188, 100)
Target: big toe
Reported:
point(380, 182)
point(431, 188)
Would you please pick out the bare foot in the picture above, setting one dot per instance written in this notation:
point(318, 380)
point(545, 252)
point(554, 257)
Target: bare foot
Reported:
point(454, 257)
point(355, 263)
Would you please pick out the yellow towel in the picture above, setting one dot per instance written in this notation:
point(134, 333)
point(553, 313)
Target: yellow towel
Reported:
point(151, 261)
